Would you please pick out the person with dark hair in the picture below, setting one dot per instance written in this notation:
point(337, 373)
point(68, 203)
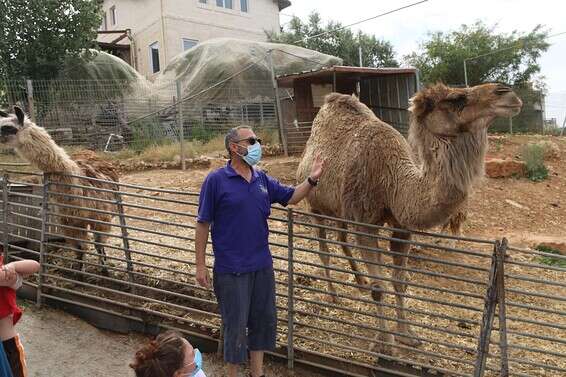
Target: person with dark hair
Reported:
point(235, 203)
point(168, 355)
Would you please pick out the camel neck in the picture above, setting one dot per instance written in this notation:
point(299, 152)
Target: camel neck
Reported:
point(36, 146)
point(443, 177)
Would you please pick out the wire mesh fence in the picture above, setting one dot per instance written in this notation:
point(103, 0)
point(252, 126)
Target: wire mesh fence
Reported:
point(451, 306)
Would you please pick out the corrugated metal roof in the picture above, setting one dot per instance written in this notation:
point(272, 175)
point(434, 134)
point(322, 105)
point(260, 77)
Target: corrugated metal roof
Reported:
point(340, 69)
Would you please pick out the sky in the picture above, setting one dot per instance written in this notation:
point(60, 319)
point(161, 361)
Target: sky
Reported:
point(407, 28)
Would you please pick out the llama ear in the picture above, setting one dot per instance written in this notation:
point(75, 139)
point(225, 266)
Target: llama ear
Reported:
point(3, 114)
point(20, 114)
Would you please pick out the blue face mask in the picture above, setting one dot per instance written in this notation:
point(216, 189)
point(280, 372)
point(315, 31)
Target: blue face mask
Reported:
point(198, 364)
point(254, 154)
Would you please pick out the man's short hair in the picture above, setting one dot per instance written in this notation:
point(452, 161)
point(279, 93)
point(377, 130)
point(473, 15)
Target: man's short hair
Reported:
point(232, 137)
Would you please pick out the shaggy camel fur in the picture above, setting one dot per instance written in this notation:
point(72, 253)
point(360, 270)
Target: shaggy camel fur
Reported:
point(35, 145)
point(372, 178)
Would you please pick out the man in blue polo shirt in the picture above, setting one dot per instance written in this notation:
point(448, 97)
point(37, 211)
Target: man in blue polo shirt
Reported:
point(235, 202)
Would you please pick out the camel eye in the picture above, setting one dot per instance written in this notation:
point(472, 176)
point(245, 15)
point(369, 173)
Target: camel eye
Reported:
point(502, 90)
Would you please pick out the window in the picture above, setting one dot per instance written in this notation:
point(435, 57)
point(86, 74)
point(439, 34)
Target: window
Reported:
point(104, 21)
point(113, 15)
point(154, 56)
point(244, 5)
point(188, 43)
point(224, 3)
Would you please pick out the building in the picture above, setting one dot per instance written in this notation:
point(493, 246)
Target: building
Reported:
point(386, 91)
point(149, 33)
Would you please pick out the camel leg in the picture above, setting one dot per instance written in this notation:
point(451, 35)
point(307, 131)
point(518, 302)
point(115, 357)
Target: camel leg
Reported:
point(399, 284)
point(377, 290)
point(342, 237)
point(99, 240)
point(325, 258)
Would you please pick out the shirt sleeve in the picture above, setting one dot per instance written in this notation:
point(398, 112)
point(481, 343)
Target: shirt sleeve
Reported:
point(278, 193)
point(207, 200)
point(18, 283)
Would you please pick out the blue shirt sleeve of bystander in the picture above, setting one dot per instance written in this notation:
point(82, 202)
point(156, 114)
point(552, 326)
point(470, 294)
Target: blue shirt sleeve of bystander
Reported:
point(278, 193)
point(207, 199)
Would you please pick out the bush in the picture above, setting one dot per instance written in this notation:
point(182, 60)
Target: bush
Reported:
point(533, 155)
point(551, 261)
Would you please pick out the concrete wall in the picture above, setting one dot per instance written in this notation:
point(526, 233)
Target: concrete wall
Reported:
point(189, 19)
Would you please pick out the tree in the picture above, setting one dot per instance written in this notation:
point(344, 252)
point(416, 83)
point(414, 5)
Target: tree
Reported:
point(342, 43)
point(38, 36)
point(441, 58)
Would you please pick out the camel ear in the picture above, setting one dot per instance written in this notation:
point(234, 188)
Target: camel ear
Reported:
point(421, 105)
point(457, 99)
point(3, 114)
point(20, 114)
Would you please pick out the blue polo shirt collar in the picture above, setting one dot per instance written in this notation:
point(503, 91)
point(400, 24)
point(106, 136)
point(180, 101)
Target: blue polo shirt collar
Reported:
point(231, 173)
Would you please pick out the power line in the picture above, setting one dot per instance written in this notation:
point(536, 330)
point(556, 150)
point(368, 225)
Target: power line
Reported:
point(359, 22)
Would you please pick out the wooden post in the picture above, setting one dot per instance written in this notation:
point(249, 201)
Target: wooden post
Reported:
point(501, 250)
point(282, 134)
point(488, 316)
point(125, 237)
point(180, 123)
point(29, 85)
point(43, 238)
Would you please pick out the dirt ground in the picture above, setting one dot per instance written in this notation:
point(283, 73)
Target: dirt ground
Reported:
point(58, 344)
point(523, 211)
point(542, 217)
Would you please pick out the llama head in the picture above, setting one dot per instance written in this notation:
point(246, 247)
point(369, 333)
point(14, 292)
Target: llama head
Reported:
point(11, 125)
point(445, 111)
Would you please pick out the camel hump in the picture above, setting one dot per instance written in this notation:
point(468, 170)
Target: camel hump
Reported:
point(342, 99)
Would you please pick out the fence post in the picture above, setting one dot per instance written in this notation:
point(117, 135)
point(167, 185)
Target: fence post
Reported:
point(5, 229)
point(501, 251)
point(290, 292)
point(29, 85)
point(43, 237)
point(488, 316)
point(180, 123)
point(125, 236)
point(282, 134)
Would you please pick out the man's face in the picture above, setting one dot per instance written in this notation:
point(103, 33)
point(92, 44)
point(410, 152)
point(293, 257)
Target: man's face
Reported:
point(240, 146)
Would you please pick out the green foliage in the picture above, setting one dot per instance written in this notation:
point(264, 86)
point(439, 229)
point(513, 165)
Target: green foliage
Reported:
point(341, 43)
point(38, 36)
point(441, 57)
point(533, 155)
point(202, 134)
point(551, 261)
point(145, 133)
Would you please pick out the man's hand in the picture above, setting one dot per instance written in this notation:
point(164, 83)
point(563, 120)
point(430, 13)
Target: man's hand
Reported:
point(203, 276)
point(317, 167)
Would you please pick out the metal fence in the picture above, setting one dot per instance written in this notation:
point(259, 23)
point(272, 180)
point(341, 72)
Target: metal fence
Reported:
point(115, 114)
point(458, 306)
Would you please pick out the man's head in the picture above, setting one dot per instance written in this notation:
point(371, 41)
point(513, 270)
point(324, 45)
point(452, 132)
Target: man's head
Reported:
point(238, 139)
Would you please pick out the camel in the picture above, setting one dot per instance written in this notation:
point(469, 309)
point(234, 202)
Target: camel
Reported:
point(35, 145)
point(372, 178)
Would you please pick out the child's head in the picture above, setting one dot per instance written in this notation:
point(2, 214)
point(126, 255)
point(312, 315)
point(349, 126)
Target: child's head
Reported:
point(169, 355)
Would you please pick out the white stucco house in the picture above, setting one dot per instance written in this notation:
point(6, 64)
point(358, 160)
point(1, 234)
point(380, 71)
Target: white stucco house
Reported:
point(149, 33)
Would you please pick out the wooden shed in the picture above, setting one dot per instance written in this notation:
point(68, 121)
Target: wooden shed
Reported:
point(384, 90)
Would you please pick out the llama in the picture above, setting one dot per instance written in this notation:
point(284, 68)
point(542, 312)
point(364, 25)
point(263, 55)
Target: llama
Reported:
point(35, 145)
point(371, 175)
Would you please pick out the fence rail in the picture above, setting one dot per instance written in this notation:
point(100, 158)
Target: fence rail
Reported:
point(459, 306)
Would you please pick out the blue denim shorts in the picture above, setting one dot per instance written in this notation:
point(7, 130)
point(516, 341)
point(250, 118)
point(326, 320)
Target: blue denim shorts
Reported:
point(249, 316)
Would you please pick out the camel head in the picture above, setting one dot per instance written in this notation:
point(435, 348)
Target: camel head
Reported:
point(446, 112)
point(11, 125)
